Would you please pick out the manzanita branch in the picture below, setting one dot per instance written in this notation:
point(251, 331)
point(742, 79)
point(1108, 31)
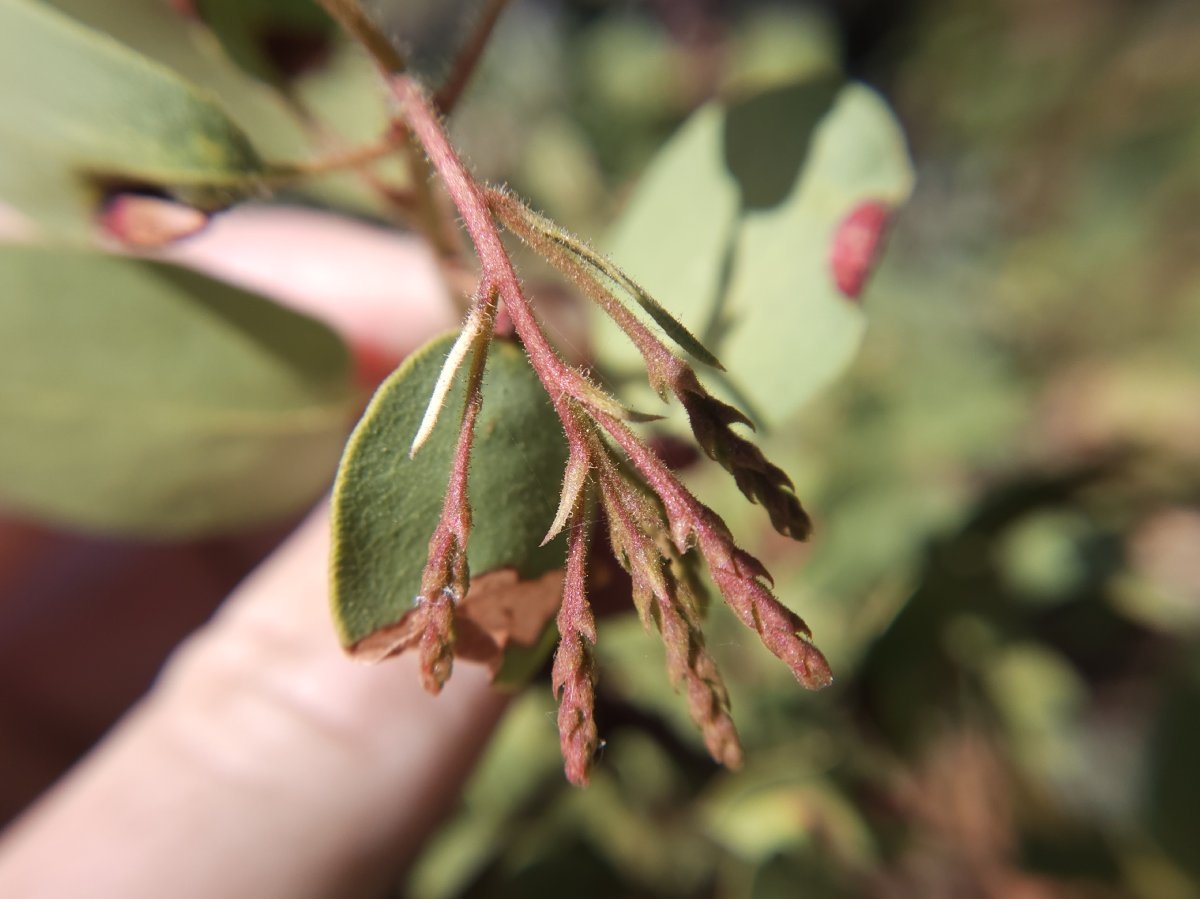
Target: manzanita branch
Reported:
point(651, 534)
point(583, 264)
point(556, 376)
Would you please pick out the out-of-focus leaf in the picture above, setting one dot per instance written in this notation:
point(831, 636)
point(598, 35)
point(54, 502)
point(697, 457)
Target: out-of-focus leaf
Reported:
point(156, 30)
point(273, 40)
point(386, 505)
point(143, 398)
point(522, 759)
point(776, 806)
point(1041, 700)
point(668, 855)
point(342, 93)
point(778, 877)
point(80, 112)
point(778, 44)
point(1172, 780)
point(1042, 557)
point(748, 220)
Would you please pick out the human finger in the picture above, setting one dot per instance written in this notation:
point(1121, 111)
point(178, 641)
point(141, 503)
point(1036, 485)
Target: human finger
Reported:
point(264, 762)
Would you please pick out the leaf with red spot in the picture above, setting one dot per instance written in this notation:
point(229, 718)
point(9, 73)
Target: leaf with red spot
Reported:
point(857, 244)
point(755, 224)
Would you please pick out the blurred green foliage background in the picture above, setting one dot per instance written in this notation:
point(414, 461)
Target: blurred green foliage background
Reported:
point(1006, 571)
point(1006, 574)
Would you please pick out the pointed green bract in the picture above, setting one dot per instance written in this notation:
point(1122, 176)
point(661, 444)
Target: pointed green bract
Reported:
point(79, 112)
point(732, 230)
point(142, 398)
point(604, 270)
point(386, 505)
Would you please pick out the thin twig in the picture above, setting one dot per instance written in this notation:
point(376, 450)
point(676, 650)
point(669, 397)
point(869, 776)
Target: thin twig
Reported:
point(391, 62)
point(354, 19)
point(556, 376)
point(338, 160)
point(447, 96)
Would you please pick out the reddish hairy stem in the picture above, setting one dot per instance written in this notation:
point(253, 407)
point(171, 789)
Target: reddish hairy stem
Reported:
point(663, 595)
point(657, 357)
point(735, 571)
point(556, 376)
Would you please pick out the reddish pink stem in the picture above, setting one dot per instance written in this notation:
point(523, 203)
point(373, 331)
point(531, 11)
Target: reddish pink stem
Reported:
point(418, 113)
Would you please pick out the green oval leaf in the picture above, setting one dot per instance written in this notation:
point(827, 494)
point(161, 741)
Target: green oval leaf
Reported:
point(733, 226)
point(386, 505)
point(143, 398)
point(79, 111)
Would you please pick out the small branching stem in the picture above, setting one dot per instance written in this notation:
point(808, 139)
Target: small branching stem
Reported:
point(448, 94)
point(736, 573)
point(340, 159)
point(355, 21)
point(663, 595)
point(556, 376)
point(711, 419)
point(596, 271)
point(651, 348)
point(679, 524)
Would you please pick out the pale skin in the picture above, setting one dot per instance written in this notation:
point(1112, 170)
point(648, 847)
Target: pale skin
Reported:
point(262, 761)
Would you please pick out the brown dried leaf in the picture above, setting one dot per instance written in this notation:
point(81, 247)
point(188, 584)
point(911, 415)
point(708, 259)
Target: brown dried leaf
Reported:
point(500, 610)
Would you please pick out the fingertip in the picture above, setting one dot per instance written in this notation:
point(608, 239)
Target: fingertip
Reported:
point(381, 289)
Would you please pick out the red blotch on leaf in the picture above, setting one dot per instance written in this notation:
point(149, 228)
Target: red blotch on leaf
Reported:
point(184, 8)
point(856, 246)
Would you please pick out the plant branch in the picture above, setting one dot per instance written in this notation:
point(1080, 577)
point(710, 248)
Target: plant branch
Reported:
point(355, 21)
point(663, 594)
point(448, 94)
point(711, 419)
point(651, 534)
point(556, 376)
point(337, 160)
point(583, 264)
point(736, 573)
